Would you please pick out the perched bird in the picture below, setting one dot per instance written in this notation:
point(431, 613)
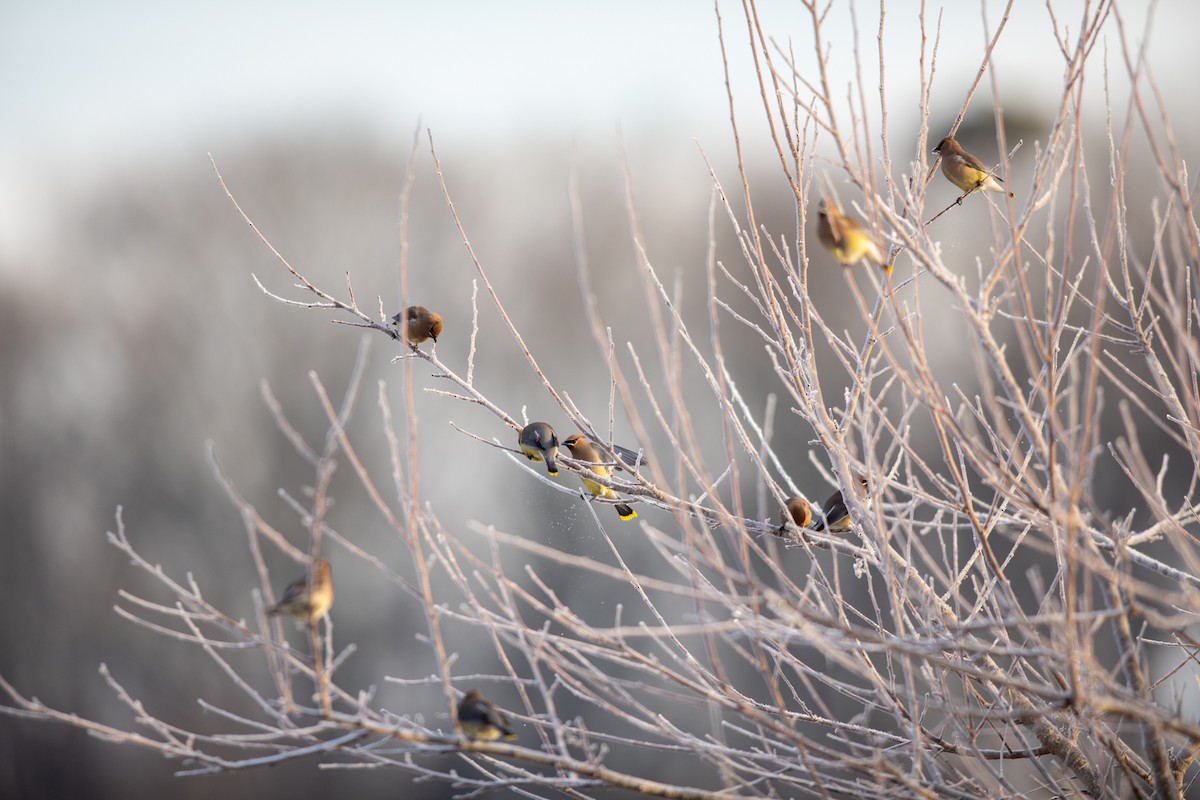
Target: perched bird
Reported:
point(539, 443)
point(582, 450)
point(834, 514)
point(303, 604)
point(798, 511)
point(965, 170)
point(479, 719)
point(418, 323)
point(845, 237)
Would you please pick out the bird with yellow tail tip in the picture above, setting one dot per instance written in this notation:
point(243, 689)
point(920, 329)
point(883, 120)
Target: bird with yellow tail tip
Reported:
point(538, 442)
point(582, 450)
point(965, 170)
point(479, 719)
point(418, 323)
point(846, 238)
point(305, 604)
point(798, 511)
point(835, 516)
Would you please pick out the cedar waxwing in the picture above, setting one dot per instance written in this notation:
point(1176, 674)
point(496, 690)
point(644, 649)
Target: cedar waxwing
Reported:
point(582, 450)
point(479, 719)
point(418, 323)
point(845, 237)
point(539, 443)
point(798, 511)
point(302, 604)
point(965, 170)
point(834, 514)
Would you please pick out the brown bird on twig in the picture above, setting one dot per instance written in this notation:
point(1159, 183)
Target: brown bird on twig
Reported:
point(582, 450)
point(798, 511)
point(846, 238)
point(305, 604)
point(479, 719)
point(538, 442)
point(418, 323)
point(965, 170)
point(835, 516)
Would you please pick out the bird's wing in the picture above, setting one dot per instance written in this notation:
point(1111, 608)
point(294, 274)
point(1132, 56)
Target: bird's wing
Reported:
point(630, 457)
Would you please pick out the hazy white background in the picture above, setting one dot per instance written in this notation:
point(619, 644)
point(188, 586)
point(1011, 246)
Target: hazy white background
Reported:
point(91, 87)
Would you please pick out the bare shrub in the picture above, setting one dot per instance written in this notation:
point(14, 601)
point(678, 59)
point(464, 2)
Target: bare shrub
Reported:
point(1008, 615)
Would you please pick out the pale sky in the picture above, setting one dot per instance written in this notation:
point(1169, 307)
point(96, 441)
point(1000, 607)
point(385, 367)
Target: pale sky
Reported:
point(86, 86)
